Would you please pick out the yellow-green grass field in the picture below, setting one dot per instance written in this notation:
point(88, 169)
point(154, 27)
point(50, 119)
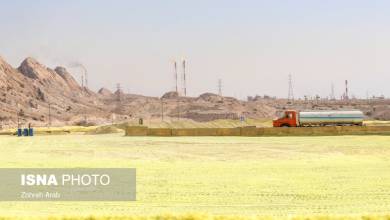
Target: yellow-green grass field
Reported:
point(278, 177)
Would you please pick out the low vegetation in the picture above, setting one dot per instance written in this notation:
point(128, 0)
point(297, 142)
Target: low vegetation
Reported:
point(279, 177)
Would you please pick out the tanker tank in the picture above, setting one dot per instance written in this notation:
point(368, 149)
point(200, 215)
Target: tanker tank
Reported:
point(331, 118)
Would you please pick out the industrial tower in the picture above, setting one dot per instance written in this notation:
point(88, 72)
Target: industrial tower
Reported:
point(290, 89)
point(346, 96)
point(175, 76)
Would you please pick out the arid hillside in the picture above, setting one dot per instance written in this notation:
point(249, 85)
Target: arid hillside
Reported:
point(34, 93)
point(41, 95)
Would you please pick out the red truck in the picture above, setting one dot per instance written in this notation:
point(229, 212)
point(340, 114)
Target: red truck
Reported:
point(292, 118)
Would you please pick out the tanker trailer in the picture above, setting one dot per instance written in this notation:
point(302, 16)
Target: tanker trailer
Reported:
point(292, 118)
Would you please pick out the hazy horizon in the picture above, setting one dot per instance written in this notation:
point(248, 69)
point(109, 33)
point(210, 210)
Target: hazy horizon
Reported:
point(251, 45)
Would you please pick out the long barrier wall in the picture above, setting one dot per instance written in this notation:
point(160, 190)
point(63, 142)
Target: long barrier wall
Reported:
point(253, 131)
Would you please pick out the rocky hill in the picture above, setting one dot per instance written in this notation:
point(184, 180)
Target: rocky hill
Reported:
point(34, 93)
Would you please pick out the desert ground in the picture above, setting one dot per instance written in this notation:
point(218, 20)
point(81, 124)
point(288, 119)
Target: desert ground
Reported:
point(279, 177)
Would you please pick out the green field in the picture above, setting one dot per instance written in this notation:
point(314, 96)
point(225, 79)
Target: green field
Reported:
point(267, 176)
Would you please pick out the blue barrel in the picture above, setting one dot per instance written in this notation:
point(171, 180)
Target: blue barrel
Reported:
point(19, 132)
point(25, 132)
point(31, 132)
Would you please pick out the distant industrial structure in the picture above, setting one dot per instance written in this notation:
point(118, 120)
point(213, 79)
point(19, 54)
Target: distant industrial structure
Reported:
point(290, 96)
point(175, 77)
point(183, 78)
point(345, 95)
point(84, 74)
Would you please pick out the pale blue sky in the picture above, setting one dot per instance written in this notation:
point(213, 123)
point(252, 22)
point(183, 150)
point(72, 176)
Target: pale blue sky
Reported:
point(251, 45)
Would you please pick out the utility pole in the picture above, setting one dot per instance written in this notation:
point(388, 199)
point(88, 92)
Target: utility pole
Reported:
point(178, 109)
point(17, 114)
point(162, 110)
point(49, 114)
point(85, 117)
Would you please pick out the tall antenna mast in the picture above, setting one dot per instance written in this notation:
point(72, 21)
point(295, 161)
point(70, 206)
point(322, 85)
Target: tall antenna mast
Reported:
point(184, 78)
point(220, 87)
point(175, 66)
point(290, 89)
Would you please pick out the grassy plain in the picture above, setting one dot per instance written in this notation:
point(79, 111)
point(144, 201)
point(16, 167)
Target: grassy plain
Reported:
point(245, 176)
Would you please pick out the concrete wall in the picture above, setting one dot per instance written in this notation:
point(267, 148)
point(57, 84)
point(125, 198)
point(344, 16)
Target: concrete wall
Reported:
point(253, 131)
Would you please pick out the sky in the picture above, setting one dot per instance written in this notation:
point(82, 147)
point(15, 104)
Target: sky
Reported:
point(252, 45)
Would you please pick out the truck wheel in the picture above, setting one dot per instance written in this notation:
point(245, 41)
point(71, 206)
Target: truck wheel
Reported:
point(285, 126)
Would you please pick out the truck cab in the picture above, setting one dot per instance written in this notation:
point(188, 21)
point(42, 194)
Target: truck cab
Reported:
point(289, 118)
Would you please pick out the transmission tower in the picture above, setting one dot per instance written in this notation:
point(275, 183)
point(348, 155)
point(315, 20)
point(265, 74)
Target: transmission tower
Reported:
point(49, 113)
point(290, 89)
point(184, 78)
point(220, 87)
point(175, 75)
